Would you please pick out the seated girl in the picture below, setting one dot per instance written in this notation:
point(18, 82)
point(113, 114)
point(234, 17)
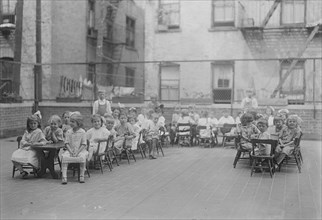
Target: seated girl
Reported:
point(136, 128)
point(53, 132)
point(96, 134)
point(269, 115)
point(286, 138)
point(246, 129)
point(151, 134)
point(278, 124)
point(263, 149)
point(75, 147)
point(124, 132)
point(204, 121)
point(33, 136)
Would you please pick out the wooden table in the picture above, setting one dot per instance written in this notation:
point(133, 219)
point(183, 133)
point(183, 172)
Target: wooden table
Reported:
point(48, 162)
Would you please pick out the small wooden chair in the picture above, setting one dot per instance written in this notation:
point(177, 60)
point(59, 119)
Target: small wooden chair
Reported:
point(184, 132)
point(211, 140)
point(225, 130)
point(241, 151)
point(98, 157)
point(127, 151)
point(263, 160)
point(141, 146)
point(296, 156)
point(24, 166)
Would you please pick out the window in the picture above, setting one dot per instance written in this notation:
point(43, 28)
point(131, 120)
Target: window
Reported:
point(130, 32)
point(293, 12)
point(223, 13)
point(91, 72)
point(169, 14)
point(170, 75)
point(222, 76)
point(294, 85)
point(129, 78)
point(8, 11)
point(109, 23)
point(91, 16)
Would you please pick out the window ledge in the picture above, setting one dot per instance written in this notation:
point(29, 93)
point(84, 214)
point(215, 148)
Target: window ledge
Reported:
point(214, 29)
point(131, 48)
point(169, 31)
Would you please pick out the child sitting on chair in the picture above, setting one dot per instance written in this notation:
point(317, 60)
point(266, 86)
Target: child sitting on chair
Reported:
point(33, 136)
point(277, 127)
point(246, 129)
point(75, 144)
point(185, 119)
point(204, 121)
point(263, 149)
point(124, 132)
point(151, 134)
point(96, 134)
point(136, 129)
point(286, 139)
point(53, 132)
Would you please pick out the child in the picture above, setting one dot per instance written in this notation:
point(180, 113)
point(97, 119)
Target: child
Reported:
point(124, 132)
point(286, 139)
point(75, 144)
point(249, 103)
point(136, 129)
point(226, 118)
point(278, 125)
point(33, 136)
point(269, 115)
point(95, 134)
point(284, 113)
point(116, 116)
point(66, 122)
point(204, 121)
point(239, 115)
point(53, 132)
point(109, 124)
point(151, 136)
point(246, 129)
point(263, 149)
point(185, 119)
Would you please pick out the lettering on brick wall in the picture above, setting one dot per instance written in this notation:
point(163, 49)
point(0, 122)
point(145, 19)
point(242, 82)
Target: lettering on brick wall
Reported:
point(70, 88)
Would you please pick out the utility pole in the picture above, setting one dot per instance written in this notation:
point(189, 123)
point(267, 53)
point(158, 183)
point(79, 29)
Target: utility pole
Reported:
point(38, 67)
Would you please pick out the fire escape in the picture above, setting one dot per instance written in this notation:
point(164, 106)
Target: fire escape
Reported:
point(109, 49)
point(256, 35)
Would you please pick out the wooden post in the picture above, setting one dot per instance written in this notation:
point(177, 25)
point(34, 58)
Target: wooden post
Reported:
point(314, 74)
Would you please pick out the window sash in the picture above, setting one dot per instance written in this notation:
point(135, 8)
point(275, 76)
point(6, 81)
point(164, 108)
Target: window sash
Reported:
point(170, 81)
point(169, 14)
point(130, 32)
point(293, 12)
point(223, 12)
point(222, 75)
point(295, 81)
point(129, 78)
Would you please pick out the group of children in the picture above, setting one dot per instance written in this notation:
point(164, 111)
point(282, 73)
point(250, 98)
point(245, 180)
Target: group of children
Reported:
point(125, 128)
point(283, 126)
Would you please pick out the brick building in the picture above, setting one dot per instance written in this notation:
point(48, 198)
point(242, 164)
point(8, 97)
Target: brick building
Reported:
point(73, 36)
point(239, 44)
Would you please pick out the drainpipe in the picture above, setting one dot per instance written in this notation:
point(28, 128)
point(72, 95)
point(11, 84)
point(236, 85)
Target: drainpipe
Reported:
point(38, 67)
point(314, 107)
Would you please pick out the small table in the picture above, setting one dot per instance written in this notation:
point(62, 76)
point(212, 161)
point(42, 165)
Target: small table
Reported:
point(49, 161)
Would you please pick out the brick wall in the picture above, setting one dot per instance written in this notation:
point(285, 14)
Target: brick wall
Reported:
point(13, 118)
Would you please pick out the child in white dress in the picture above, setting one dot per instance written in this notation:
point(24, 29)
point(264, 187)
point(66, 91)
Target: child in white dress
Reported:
point(95, 134)
point(53, 132)
point(33, 136)
point(75, 143)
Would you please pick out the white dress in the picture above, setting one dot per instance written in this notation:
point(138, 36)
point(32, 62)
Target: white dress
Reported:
point(26, 155)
